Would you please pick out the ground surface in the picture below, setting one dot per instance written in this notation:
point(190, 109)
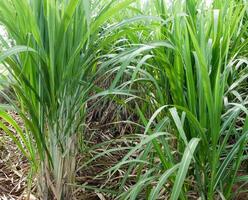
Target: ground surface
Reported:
point(13, 168)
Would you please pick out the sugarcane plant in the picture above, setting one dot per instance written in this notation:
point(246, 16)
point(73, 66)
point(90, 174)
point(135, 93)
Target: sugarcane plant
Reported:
point(207, 46)
point(52, 59)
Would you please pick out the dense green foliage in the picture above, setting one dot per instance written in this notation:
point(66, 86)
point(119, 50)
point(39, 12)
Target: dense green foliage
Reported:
point(181, 67)
point(53, 79)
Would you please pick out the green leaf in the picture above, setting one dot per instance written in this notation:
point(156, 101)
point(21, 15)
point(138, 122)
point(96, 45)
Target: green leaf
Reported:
point(183, 169)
